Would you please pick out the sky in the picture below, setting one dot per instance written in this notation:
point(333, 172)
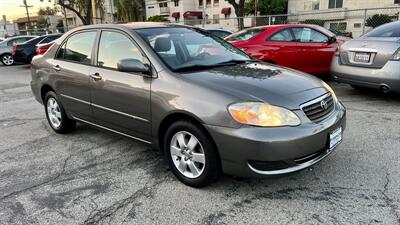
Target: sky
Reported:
point(12, 9)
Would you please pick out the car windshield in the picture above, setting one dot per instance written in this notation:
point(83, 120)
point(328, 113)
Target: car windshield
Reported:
point(387, 30)
point(183, 48)
point(245, 34)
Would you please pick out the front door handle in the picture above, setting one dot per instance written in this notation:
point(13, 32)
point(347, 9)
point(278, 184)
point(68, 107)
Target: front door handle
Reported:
point(57, 68)
point(95, 76)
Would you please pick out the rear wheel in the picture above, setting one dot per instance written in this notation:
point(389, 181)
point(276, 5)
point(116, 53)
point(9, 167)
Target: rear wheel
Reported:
point(7, 59)
point(56, 116)
point(191, 154)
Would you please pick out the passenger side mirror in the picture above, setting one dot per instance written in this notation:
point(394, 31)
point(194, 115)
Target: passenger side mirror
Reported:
point(332, 39)
point(133, 65)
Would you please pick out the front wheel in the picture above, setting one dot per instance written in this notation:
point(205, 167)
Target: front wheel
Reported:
point(191, 154)
point(7, 59)
point(56, 116)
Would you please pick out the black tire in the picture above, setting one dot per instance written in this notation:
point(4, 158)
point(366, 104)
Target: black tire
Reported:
point(66, 125)
point(212, 168)
point(5, 59)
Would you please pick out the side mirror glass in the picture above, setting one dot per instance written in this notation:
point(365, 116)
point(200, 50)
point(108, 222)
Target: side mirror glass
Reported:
point(133, 65)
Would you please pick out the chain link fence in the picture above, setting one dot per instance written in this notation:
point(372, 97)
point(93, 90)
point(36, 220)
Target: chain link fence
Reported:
point(352, 23)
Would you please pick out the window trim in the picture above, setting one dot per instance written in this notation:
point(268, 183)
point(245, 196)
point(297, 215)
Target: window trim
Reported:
point(66, 40)
point(97, 47)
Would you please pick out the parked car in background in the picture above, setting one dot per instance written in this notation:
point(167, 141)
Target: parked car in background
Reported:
point(209, 106)
point(42, 48)
point(24, 52)
point(222, 33)
point(342, 33)
point(373, 60)
point(6, 48)
point(308, 48)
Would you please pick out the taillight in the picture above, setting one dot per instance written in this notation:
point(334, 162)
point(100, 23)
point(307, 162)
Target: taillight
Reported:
point(40, 50)
point(14, 48)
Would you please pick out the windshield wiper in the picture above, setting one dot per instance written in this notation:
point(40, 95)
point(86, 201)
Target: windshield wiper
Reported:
point(203, 67)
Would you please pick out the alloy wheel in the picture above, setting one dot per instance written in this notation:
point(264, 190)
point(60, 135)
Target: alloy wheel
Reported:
point(7, 60)
point(54, 113)
point(187, 154)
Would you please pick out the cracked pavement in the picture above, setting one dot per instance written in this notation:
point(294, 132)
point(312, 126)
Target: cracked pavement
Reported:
point(94, 177)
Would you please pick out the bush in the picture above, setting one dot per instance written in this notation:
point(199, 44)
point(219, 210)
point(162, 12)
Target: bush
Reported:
point(157, 19)
point(315, 22)
point(377, 20)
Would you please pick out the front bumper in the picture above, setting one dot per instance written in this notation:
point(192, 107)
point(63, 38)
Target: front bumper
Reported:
point(258, 151)
point(388, 75)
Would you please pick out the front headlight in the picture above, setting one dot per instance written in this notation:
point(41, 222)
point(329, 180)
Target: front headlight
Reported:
point(262, 114)
point(331, 91)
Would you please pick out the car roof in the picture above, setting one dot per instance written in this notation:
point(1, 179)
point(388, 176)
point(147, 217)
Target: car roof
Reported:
point(133, 25)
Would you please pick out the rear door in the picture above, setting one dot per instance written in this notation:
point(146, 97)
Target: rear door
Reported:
point(71, 67)
point(120, 100)
point(315, 50)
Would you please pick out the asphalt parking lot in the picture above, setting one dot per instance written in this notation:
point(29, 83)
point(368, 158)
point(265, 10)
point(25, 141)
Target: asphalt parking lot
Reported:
point(93, 177)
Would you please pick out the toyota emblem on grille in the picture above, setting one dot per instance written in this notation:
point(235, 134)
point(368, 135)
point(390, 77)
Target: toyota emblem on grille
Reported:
point(324, 105)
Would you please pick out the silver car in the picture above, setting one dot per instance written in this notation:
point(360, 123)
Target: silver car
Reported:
point(372, 60)
point(6, 48)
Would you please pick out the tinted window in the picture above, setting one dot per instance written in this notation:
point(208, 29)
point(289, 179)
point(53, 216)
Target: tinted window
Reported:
point(114, 47)
point(49, 39)
point(34, 41)
point(245, 34)
point(309, 35)
point(219, 33)
point(284, 35)
point(386, 30)
point(184, 48)
point(78, 48)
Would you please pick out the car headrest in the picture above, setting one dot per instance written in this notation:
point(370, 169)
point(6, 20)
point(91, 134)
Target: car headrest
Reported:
point(162, 44)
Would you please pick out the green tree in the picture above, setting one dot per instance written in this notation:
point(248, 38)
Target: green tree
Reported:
point(266, 7)
point(157, 19)
point(377, 20)
point(47, 11)
point(130, 10)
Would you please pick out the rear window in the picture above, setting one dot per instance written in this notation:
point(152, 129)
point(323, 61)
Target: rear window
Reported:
point(245, 34)
point(386, 30)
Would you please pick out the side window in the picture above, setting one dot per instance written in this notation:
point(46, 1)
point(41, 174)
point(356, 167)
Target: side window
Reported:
point(309, 35)
point(78, 48)
point(284, 35)
point(114, 47)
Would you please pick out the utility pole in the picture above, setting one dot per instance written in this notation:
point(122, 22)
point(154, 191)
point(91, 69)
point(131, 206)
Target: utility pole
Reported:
point(204, 13)
point(25, 4)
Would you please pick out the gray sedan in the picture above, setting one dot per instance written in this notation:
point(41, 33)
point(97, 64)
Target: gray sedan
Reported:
point(372, 60)
point(206, 104)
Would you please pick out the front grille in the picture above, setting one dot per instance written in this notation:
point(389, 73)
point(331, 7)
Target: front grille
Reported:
point(319, 110)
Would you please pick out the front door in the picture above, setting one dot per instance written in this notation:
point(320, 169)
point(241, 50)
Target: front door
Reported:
point(315, 50)
point(72, 66)
point(120, 100)
point(281, 49)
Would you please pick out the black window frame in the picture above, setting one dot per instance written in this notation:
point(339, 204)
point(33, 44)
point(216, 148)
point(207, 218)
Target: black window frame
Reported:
point(97, 47)
point(335, 4)
point(65, 42)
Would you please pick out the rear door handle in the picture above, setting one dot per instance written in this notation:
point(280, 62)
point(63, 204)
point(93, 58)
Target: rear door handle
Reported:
point(57, 68)
point(95, 76)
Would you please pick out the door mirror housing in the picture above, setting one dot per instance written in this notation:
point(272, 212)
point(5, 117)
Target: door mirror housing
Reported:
point(332, 39)
point(133, 66)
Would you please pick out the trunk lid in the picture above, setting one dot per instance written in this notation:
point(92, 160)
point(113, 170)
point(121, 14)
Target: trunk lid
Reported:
point(368, 52)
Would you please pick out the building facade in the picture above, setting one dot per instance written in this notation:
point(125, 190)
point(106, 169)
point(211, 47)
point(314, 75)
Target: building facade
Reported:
point(190, 12)
point(341, 15)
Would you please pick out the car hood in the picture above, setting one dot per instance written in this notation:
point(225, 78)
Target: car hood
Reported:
point(262, 82)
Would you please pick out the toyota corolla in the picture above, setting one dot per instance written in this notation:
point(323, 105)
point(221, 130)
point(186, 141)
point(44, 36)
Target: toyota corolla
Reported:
point(206, 104)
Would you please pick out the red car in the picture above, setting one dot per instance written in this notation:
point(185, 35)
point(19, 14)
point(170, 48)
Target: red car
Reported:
point(308, 48)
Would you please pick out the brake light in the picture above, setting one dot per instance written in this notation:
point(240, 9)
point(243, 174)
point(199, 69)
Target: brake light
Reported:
point(14, 48)
point(40, 50)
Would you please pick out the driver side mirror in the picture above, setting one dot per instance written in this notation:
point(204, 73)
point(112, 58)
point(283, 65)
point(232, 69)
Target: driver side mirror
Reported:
point(332, 39)
point(133, 65)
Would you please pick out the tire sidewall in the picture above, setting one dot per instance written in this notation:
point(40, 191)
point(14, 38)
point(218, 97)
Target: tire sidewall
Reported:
point(65, 122)
point(211, 170)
